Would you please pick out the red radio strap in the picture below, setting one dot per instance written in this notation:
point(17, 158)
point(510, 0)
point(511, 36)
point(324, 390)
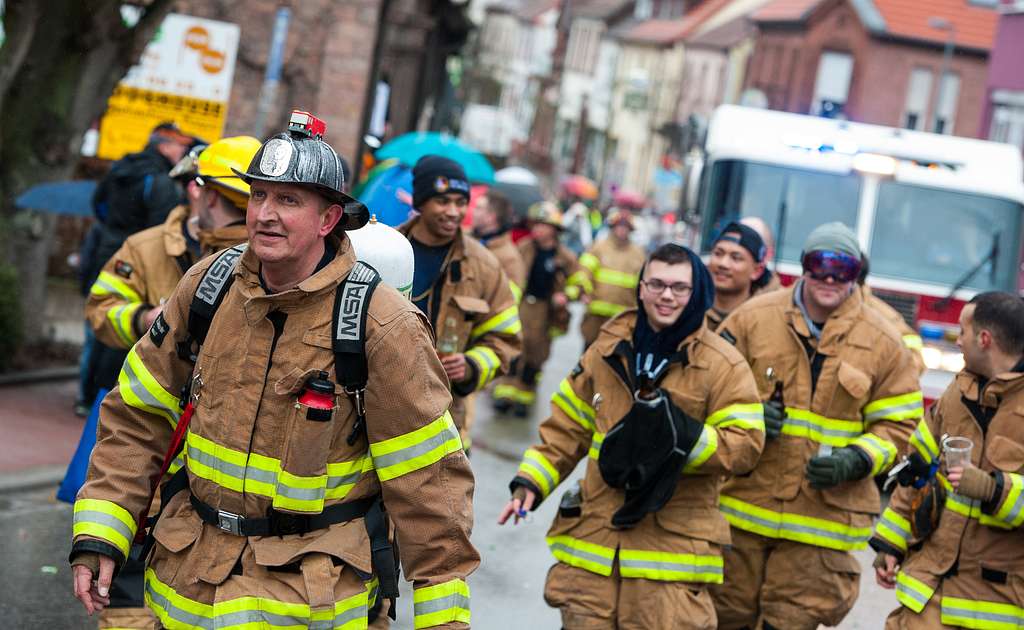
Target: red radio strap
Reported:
point(172, 451)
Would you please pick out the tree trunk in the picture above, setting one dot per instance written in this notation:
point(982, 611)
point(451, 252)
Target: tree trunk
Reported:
point(57, 69)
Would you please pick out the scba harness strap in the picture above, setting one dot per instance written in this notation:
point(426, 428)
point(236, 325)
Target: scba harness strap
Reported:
point(351, 308)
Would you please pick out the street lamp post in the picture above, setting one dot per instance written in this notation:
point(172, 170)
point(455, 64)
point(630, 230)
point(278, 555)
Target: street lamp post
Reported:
point(942, 24)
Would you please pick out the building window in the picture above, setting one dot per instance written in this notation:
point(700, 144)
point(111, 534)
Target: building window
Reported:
point(919, 88)
point(832, 87)
point(644, 9)
point(946, 111)
point(1008, 117)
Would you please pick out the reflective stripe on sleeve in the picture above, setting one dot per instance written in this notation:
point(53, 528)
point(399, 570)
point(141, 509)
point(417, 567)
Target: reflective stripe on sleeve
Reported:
point(121, 319)
point(670, 567)
point(417, 449)
point(970, 613)
point(577, 282)
point(109, 284)
point(517, 292)
point(177, 611)
point(504, 323)
point(705, 447)
point(605, 275)
point(105, 520)
point(505, 391)
point(911, 592)
point(804, 529)
point(537, 468)
point(1011, 511)
point(813, 426)
point(913, 342)
point(605, 309)
point(440, 604)
point(140, 389)
point(487, 363)
point(924, 442)
point(893, 529)
point(573, 406)
point(904, 407)
point(590, 261)
point(745, 416)
point(882, 452)
point(582, 554)
point(595, 445)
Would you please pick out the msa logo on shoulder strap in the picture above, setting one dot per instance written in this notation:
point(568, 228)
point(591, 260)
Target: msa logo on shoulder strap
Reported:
point(216, 278)
point(351, 306)
point(209, 294)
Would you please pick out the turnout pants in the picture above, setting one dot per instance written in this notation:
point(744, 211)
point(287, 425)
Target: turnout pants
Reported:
point(520, 385)
point(589, 601)
point(789, 585)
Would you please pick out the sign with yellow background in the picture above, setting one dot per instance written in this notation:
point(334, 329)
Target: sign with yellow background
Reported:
point(184, 76)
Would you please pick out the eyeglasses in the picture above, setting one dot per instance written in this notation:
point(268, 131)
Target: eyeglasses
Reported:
point(657, 287)
point(822, 265)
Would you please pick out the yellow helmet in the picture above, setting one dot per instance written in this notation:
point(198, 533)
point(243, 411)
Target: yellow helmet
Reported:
point(215, 164)
point(545, 212)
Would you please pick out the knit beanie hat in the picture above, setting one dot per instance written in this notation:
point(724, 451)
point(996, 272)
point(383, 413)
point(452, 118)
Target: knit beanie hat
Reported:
point(436, 175)
point(833, 237)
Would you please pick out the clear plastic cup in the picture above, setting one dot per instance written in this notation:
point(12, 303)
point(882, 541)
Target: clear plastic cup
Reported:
point(956, 451)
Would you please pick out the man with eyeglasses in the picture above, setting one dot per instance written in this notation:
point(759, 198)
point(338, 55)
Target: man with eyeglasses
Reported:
point(459, 285)
point(664, 410)
point(841, 399)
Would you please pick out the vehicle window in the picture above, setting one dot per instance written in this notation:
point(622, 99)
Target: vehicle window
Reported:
point(736, 189)
point(935, 235)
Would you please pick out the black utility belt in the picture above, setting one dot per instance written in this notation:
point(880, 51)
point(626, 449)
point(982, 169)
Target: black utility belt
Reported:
point(282, 523)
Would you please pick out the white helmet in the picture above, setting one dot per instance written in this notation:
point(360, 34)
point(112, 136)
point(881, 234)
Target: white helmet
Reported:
point(386, 250)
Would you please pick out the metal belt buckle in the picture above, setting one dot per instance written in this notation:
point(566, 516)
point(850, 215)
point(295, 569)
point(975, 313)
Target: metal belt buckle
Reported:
point(229, 522)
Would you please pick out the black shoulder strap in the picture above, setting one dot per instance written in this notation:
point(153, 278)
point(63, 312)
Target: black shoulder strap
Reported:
point(209, 294)
point(351, 307)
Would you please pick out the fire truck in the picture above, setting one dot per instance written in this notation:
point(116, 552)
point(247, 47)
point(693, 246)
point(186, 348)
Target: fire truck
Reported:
point(939, 216)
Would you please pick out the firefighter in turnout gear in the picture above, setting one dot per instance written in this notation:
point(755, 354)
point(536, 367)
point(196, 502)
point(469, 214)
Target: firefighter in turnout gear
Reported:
point(459, 286)
point(841, 400)
point(492, 222)
point(133, 285)
point(543, 312)
point(664, 410)
point(608, 275)
point(949, 541)
point(737, 267)
point(299, 467)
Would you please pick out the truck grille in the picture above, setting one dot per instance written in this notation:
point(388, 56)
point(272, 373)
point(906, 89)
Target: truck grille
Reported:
point(904, 303)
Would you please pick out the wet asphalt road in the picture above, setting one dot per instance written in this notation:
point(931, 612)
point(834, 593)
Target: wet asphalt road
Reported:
point(35, 580)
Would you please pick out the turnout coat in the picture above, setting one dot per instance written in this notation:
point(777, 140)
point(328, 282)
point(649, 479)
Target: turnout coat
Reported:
point(250, 447)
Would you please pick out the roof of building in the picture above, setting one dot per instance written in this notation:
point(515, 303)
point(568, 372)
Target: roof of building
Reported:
point(600, 9)
point(663, 32)
point(974, 22)
point(725, 35)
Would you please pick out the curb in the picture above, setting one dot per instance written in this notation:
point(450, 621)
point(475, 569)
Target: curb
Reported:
point(32, 479)
point(36, 376)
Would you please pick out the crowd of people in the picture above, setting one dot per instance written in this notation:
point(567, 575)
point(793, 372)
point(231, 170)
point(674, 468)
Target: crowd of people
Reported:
point(300, 420)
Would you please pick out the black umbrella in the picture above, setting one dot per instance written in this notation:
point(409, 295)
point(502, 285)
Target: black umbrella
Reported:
point(521, 196)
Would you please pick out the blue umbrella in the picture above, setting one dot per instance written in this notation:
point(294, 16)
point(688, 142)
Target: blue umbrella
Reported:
point(389, 195)
point(71, 197)
point(410, 147)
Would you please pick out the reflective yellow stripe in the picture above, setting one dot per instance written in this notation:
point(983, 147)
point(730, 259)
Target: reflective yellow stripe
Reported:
point(893, 528)
point(572, 291)
point(517, 292)
point(140, 389)
point(924, 442)
point(705, 447)
point(252, 613)
point(882, 452)
point(595, 445)
point(744, 415)
point(605, 275)
point(440, 604)
point(577, 281)
point(513, 393)
point(605, 309)
point(567, 400)
point(1011, 511)
point(969, 613)
point(121, 318)
point(913, 342)
point(590, 262)
point(582, 554)
point(537, 468)
point(904, 407)
point(812, 426)
point(804, 529)
point(105, 520)
point(109, 284)
point(487, 363)
point(970, 508)
point(253, 473)
point(911, 592)
point(417, 449)
point(670, 567)
point(504, 323)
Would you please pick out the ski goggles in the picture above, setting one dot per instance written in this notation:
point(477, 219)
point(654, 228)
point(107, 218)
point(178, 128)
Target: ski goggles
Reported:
point(823, 264)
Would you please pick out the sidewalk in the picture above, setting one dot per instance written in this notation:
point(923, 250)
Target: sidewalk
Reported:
point(40, 432)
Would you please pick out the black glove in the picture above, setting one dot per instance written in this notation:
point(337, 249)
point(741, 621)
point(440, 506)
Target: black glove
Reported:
point(774, 417)
point(844, 464)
